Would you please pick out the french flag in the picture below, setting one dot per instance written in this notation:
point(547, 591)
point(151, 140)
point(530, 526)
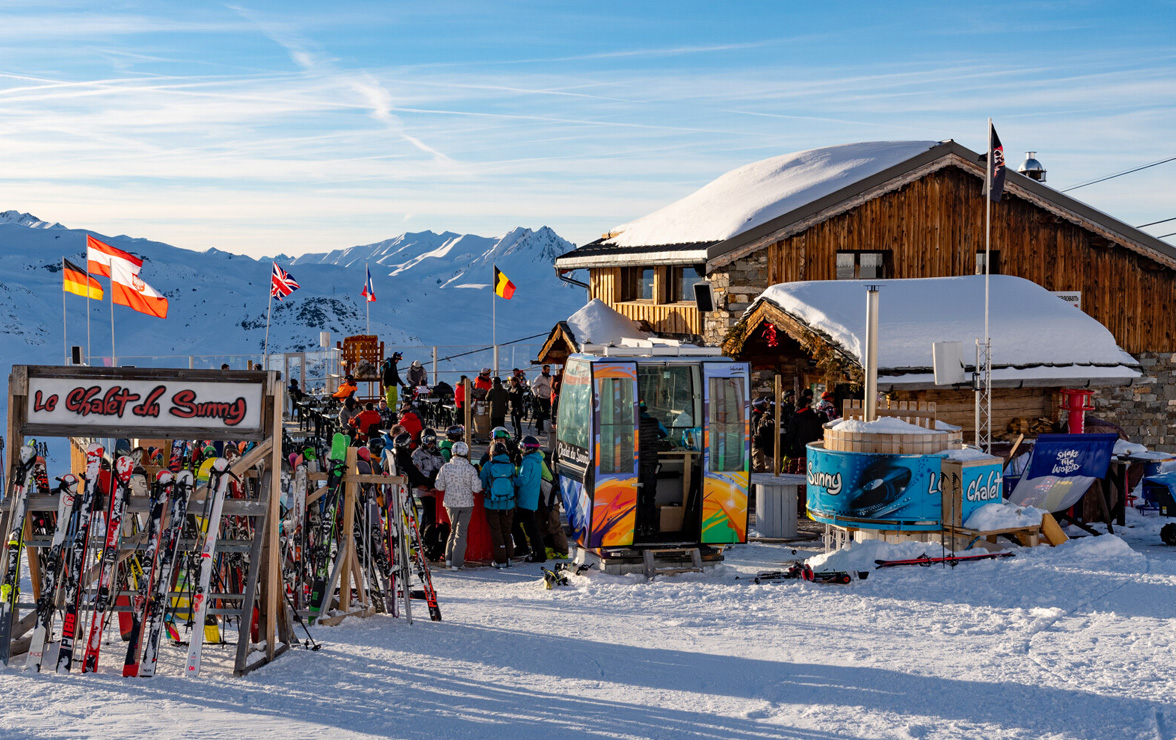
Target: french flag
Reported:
point(368, 291)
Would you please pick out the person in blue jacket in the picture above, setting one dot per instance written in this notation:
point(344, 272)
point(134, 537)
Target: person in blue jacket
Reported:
point(498, 486)
point(527, 486)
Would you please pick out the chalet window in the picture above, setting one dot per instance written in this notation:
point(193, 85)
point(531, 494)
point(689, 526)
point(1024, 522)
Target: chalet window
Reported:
point(861, 265)
point(637, 283)
point(994, 268)
point(682, 282)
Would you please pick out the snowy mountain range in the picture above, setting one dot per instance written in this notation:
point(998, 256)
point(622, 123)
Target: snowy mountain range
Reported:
point(431, 289)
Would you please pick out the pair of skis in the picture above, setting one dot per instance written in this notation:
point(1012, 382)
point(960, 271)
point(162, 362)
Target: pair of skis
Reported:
point(804, 572)
point(952, 560)
point(10, 586)
point(324, 548)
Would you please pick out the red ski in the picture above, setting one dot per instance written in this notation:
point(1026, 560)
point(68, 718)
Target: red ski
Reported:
point(950, 559)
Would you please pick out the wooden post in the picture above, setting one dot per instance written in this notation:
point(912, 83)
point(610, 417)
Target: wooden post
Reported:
point(468, 413)
point(777, 463)
point(273, 572)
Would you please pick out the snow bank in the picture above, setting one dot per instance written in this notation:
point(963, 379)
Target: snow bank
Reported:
point(991, 517)
point(597, 323)
point(882, 425)
point(761, 191)
point(861, 556)
point(1040, 336)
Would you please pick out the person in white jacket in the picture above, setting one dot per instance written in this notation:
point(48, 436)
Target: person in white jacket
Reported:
point(459, 480)
point(541, 387)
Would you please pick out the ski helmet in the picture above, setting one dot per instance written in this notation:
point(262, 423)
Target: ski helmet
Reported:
point(530, 443)
point(461, 449)
point(402, 441)
point(499, 433)
point(455, 432)
point(364, 454)
point(428, 438)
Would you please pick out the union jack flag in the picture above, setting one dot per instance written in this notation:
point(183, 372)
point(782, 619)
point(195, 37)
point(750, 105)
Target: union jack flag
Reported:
point(282, 283)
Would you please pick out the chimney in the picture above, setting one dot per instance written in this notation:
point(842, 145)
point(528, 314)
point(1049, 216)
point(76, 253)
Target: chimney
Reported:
point(1031, 168)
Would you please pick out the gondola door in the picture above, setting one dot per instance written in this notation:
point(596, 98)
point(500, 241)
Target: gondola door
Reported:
point(726, 452)
point(614, 434)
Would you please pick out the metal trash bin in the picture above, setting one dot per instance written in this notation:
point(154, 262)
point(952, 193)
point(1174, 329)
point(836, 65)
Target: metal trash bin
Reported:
point(775, 504)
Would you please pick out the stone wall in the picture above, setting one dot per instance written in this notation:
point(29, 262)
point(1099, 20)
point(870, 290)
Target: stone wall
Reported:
point(1147, 409)
point(735, 286)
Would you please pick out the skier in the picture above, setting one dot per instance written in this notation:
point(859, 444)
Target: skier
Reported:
point(427, 459)
point(498, 487)
point(459, 481)
point(763, 426)
point(828, 406)
point(527, 487)
point(417, 376)
point(453, 435)
point(366, 423)
point(390, 377)
point(807, 425)
point(349, 411)
point(346, 389)
point(411, 422)
point(499, 400)
point(548, 512)
point(423, 487)
point(542, 387)
point(515, 389)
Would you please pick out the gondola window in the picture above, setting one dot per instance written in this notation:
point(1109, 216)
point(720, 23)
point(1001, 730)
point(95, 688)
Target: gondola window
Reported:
point(726, 441)
point(616, 425)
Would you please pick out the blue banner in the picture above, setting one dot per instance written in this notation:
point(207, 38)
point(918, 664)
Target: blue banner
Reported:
point(1062, 468)
point(1071, 455)
point(874, 491)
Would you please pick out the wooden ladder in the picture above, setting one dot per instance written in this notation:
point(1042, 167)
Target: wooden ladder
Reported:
point(652, 570)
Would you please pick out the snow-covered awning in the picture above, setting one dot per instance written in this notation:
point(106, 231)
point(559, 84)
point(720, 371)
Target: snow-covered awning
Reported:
point(595, 324)
point(1037, 338)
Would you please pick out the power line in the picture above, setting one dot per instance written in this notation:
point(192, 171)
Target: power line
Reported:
point(1165, 236)
point(1120, 174)
point(1161, 221)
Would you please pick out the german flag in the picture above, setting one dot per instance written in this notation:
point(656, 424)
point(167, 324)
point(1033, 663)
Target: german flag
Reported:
point(75, 280)
point(503, 287)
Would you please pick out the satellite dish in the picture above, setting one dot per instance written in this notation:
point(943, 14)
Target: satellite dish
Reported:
point(947, 360)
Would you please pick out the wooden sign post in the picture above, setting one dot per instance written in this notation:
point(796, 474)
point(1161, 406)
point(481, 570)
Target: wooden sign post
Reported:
point(86, 403)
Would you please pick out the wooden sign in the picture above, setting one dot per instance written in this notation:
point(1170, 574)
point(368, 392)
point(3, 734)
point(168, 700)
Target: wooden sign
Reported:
point(145, 403)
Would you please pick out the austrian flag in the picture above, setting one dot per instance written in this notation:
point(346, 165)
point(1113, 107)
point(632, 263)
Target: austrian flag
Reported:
point(128, 289)
point(101, 257)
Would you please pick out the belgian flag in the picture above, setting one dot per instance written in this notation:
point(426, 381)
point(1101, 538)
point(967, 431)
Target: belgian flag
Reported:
point(75, 280)
point(503, 287)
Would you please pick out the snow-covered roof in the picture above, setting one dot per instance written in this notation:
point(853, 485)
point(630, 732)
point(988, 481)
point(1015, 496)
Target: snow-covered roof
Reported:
point(761, 191)
point(1037, 338)
point(597, 323)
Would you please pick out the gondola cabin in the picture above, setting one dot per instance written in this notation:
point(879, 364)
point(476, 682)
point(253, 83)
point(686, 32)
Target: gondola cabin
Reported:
point(654, 451)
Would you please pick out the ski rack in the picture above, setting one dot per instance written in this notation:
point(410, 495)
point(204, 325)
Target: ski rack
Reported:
point(351, 572)
point(254, 414)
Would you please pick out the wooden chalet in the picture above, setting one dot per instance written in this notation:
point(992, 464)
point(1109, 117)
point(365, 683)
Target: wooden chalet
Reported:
point(893, 210)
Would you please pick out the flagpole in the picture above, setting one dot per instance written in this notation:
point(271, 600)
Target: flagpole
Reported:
point(494, 315)
point(113, 361)
point(64, 327)
point(87, 307)
point(367, 303)
point(268, 310)
point(987, 439)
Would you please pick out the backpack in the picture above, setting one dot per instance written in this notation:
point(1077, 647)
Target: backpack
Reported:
point(501, 492)
point(433, 539)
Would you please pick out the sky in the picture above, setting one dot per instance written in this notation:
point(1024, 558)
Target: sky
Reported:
point(297, 127)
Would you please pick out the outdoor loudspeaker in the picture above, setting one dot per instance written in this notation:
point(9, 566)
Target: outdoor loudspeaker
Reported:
point(703, 298)
point(947, 360)
point(76, 354)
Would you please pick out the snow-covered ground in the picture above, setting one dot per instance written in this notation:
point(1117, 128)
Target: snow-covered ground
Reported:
point(1073, 642)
